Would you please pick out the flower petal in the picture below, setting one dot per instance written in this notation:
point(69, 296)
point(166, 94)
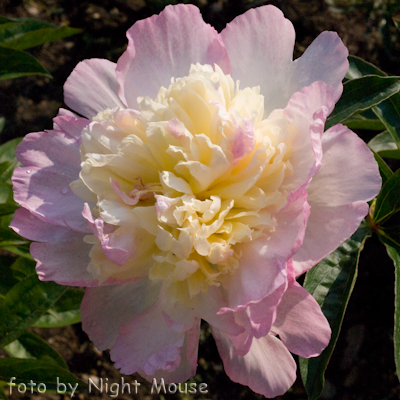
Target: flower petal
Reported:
point(164, 46)
point(268, 368)
point(33, 228)
point(136, 350)
point(349, 177)
point(260, 46)
point(101, 319)
point(92, 87)
point(307, 112)
point(263, 260)
point(64, 262)
point(324, 60)
point(48, 196)
point(300, 324)
point(188, 360)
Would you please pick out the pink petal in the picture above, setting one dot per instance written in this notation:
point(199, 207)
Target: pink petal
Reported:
point(53, 150)
point(349, 177)
point(263, 260)
point(307, 111)
point(47, 195)
point(136, 350)
point(324, 60)
point(300, 324)
point(260, 47)
point(206, 305)
point(101, 318)
point(268, 368)
point(70, 124)
point(164, 46)
point(117, 248)
point(188, 360)
point(92, 87)
point(64, 262)
point(33, 228)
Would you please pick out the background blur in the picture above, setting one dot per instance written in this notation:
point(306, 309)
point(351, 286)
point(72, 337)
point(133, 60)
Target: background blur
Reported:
point(362, 366)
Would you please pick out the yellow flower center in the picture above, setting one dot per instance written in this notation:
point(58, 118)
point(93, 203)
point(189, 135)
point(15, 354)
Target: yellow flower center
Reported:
point(198, 170)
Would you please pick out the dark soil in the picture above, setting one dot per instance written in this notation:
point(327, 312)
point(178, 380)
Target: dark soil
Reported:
point(362, 366)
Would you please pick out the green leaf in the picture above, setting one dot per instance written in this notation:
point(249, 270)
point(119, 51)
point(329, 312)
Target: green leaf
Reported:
point(361, 94)
point(384, 144)
point(388, 200)
point(23, 33)
point(357, 121)
point(8, 280)
point(39, 371)
point(23, 267)
point(394, 254)
point(66, 311)
point(24, 304)
point(54, 319)
point(384, 169)
point(7, 150)
point(331, 283)
point(359, 67)
point(15, 63)
point(29, 345)
point(389, 113)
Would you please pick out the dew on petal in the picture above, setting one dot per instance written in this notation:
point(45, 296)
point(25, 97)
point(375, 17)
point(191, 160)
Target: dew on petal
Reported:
point(64, 190)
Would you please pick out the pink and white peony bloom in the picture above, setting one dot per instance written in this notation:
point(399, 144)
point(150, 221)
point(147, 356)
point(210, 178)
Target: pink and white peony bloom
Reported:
point(198, 184)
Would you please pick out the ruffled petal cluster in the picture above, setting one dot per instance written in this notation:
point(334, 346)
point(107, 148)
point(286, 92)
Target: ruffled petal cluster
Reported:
point(198, 184)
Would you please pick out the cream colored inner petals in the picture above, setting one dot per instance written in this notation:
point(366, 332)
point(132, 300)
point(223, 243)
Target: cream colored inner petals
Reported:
point(184, 179)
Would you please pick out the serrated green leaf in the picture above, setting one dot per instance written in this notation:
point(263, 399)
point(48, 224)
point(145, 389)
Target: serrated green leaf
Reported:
point(394, 254)
point(388, 200)
point(15, 63)
point(24, 304)
point(39, 371)
point(29, 345)
point(361, 94)
point(331, 283)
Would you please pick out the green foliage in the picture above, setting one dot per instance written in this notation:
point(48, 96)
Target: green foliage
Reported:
point(331, 283)
point(23, 304)
point(39, 371)
point(19, 34)
point(24, 33)
point(29, 345)
point(362, 93)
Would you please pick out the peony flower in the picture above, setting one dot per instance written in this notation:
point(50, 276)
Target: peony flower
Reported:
point(198, 185)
